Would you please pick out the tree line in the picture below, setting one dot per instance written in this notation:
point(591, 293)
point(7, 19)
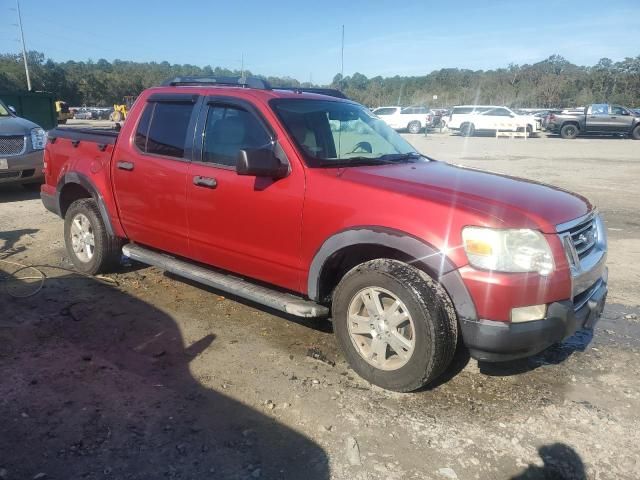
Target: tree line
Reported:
point(553, 82)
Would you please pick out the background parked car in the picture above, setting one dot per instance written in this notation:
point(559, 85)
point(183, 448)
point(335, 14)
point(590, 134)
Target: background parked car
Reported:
point(21, 149)
point(469, 119)
point(413, 119)
point(83, 113)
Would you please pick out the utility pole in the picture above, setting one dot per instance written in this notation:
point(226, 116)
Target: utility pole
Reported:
point(341, 55)
point(242, 66)
point(24, 49)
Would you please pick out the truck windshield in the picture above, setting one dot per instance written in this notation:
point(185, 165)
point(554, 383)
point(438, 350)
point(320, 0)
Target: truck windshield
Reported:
point(332, 133)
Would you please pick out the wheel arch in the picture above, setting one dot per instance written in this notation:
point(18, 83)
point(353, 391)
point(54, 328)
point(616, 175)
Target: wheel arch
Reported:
point(73, 186)
point(348, 248)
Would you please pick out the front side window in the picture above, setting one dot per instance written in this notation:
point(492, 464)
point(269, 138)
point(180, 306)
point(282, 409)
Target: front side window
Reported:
point(162, 129)
point(333, 133)
point(228, 130)
point(617, 110)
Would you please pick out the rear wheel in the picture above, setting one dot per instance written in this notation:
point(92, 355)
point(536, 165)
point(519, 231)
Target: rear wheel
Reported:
point(635, 134)
point(467, 129)
point(90, 247)
point(116, 116)
point(395, 325)
point(569, 131)
point(414, 127)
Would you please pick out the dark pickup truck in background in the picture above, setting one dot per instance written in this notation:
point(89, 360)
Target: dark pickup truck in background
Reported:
point(596, 119)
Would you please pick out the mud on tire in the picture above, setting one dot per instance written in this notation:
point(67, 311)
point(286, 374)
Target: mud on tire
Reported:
point(434, 321)
point(107, 249)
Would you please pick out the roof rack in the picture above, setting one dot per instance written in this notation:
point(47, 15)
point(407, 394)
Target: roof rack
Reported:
point(245, 82)
point(331, 92)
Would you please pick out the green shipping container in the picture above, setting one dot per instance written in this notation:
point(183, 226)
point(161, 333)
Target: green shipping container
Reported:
point(38, 107)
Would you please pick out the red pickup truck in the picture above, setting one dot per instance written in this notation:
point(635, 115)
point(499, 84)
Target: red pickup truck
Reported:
point(309, 204)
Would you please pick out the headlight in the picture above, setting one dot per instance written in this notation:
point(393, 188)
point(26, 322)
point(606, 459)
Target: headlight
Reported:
point(521, 250)
point(38, 138)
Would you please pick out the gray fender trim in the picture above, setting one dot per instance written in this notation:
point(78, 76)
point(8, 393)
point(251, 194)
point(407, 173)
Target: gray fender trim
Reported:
point(83, 181)
point(426, 256)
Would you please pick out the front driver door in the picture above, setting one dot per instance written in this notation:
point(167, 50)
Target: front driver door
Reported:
point(248, 225)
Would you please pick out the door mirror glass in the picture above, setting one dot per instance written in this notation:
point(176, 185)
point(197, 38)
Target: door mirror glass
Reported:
point(260, 162)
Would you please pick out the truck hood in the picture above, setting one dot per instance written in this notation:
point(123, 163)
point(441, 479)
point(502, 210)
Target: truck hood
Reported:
point(16, 126)
point(502, 201)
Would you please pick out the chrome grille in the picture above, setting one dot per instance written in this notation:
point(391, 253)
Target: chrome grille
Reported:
point(584, 237)
point(11, 145)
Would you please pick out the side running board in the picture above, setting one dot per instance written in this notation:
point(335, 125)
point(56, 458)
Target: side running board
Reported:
point(284, 302)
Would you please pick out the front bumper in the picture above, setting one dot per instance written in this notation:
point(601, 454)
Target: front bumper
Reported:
point(502, 341)
point(25, 168)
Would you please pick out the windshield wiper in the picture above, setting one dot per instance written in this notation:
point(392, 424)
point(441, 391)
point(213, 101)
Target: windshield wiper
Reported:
point(402, 157)
point(351, 161)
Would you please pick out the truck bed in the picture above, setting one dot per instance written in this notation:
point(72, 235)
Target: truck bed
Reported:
point(105, 136)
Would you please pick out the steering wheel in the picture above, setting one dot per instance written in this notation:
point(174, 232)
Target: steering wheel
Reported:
point(363, 147)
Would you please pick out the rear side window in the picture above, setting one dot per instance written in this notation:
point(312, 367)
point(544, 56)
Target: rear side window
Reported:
point(166, 127)
point(143, 127)
point(385, 111)
point(461, 110)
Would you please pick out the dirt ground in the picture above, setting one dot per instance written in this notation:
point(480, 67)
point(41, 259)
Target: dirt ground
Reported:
point(142, 375)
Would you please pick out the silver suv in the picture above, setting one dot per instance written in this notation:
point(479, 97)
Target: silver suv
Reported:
point(21, 149)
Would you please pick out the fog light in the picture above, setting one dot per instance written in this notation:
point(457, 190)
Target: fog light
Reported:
point(528, 314)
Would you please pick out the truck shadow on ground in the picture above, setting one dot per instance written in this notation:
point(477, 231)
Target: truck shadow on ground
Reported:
point(9, 239)
point(16, 193)
point(97, 384)
point(553, 355)
point(561, 462)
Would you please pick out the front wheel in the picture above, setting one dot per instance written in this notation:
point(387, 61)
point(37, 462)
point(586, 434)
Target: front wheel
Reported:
point(395, 325)
point(90, 247)
point(414, 127)
point(635, 134)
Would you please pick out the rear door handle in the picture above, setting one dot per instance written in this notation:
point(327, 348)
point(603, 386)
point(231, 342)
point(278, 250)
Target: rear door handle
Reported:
point(206, 182)
point(125, 165)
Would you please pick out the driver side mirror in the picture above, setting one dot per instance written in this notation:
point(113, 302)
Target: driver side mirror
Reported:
point(12, 109)
point(260, 162)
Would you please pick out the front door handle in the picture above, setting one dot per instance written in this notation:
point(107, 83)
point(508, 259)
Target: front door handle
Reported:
point(125, 165)
point(206, 182)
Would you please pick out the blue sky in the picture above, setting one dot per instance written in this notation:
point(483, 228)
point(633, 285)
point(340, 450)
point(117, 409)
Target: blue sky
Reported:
point(302, 38)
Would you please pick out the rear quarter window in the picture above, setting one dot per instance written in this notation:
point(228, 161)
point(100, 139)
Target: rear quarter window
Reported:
point(166, 127)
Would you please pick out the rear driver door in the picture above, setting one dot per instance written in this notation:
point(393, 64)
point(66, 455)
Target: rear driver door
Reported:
point(149, 173)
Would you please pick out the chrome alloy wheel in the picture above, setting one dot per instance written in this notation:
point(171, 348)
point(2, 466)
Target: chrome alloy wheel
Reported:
point(82, 238)
point(381, 328)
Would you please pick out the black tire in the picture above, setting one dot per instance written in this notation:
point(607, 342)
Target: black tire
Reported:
point(635, 133)
point(432, 312)
point(414, 127)
point(467, 130)
point(107, 252)
point(569, 131)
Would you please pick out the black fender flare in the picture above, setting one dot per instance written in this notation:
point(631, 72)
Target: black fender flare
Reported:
point(427, 257)
point(89, 186)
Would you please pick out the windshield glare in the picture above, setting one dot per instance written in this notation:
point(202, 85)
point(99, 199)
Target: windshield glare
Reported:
point(331, 133)
point(4, 112)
